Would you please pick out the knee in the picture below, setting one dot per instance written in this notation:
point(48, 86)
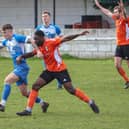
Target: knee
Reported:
point(25, 94)
point(71, 90)
point(36, 87)
point(6, 81)
point(117, 66)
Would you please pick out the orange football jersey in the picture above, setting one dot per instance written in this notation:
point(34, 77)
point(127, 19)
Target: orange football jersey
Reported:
point(122, 31)
point(51, 55)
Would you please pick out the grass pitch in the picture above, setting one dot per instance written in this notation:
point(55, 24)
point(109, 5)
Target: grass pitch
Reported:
point(98, 78)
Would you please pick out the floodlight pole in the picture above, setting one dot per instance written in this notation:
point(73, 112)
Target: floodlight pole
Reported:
point(35, 13)
point(54, 12)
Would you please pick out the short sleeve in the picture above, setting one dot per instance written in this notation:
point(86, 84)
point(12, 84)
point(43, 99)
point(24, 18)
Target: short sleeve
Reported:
point(21, 38)
point(56, 41)
point(114, 17)
point(38, 27)
point(58, 30)
point(4, 42)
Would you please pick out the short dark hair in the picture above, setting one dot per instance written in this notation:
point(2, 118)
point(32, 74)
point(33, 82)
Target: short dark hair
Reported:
point(39, 33)
point(47, 12)
point(7, 27)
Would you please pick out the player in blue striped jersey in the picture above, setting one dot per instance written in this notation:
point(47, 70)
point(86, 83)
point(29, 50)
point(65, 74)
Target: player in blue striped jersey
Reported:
point(16, 46)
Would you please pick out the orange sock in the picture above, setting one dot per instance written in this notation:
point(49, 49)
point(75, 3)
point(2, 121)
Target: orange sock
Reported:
point(123, 74)
point(80, 94)
point(32, 97)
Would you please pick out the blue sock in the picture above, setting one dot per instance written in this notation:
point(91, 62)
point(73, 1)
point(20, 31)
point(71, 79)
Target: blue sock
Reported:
point(6, 92)
point(59, 84)
point(38, 100)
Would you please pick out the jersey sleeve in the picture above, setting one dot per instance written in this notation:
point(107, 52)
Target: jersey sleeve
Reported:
point(56, 41)
point(4, 43)
point(21, 38)
point(58, 31)
point(114, 17)
point(38, 27)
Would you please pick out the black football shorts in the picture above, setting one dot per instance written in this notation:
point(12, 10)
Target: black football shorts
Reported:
point(62, 76)
point(122, 51)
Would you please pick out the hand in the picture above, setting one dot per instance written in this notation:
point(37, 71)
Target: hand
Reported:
point(39, 54)
point(34, 44)
point(121, 4)
point(18, 59)
point(84, 33)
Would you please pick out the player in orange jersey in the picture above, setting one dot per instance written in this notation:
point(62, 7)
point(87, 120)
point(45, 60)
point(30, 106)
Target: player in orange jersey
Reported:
point(55, 69)
point(122, 34)
point(50, 31)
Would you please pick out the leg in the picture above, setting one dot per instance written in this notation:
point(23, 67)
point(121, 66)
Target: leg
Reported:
point(10, 79)
point(26, 93)
point(118, 65)
point(44, 78)
point(32, 97)
point(77, 92)
point(34, 93)
point(22, 82)
point(59, 85)
point(23, 90)
point(65, 79)
point(81, 95)
point(127, 83)
point(127, 63)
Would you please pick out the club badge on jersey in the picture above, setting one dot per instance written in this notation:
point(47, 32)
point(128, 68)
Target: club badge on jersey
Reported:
point(46, 48)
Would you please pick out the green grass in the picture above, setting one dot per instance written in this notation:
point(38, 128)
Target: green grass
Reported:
point(98, 78)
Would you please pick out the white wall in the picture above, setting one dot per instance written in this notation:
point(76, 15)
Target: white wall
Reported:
point(70, 11)
point(21, 12)
point(67, 11)
point(99, 43)
point(17, 12)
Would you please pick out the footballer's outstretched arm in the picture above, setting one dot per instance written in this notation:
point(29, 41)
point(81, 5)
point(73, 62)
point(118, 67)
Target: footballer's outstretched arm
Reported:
point(71, 37)
point(30, 40)
point(24, 56)
point(121, 4)
point(104, 10)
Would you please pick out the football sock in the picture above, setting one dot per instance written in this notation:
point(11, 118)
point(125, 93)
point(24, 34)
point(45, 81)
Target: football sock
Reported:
point(81, 95)
point(39, 100)
point(59, 84)
point(32, 98)
point(123, 74)
point(5, 93)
